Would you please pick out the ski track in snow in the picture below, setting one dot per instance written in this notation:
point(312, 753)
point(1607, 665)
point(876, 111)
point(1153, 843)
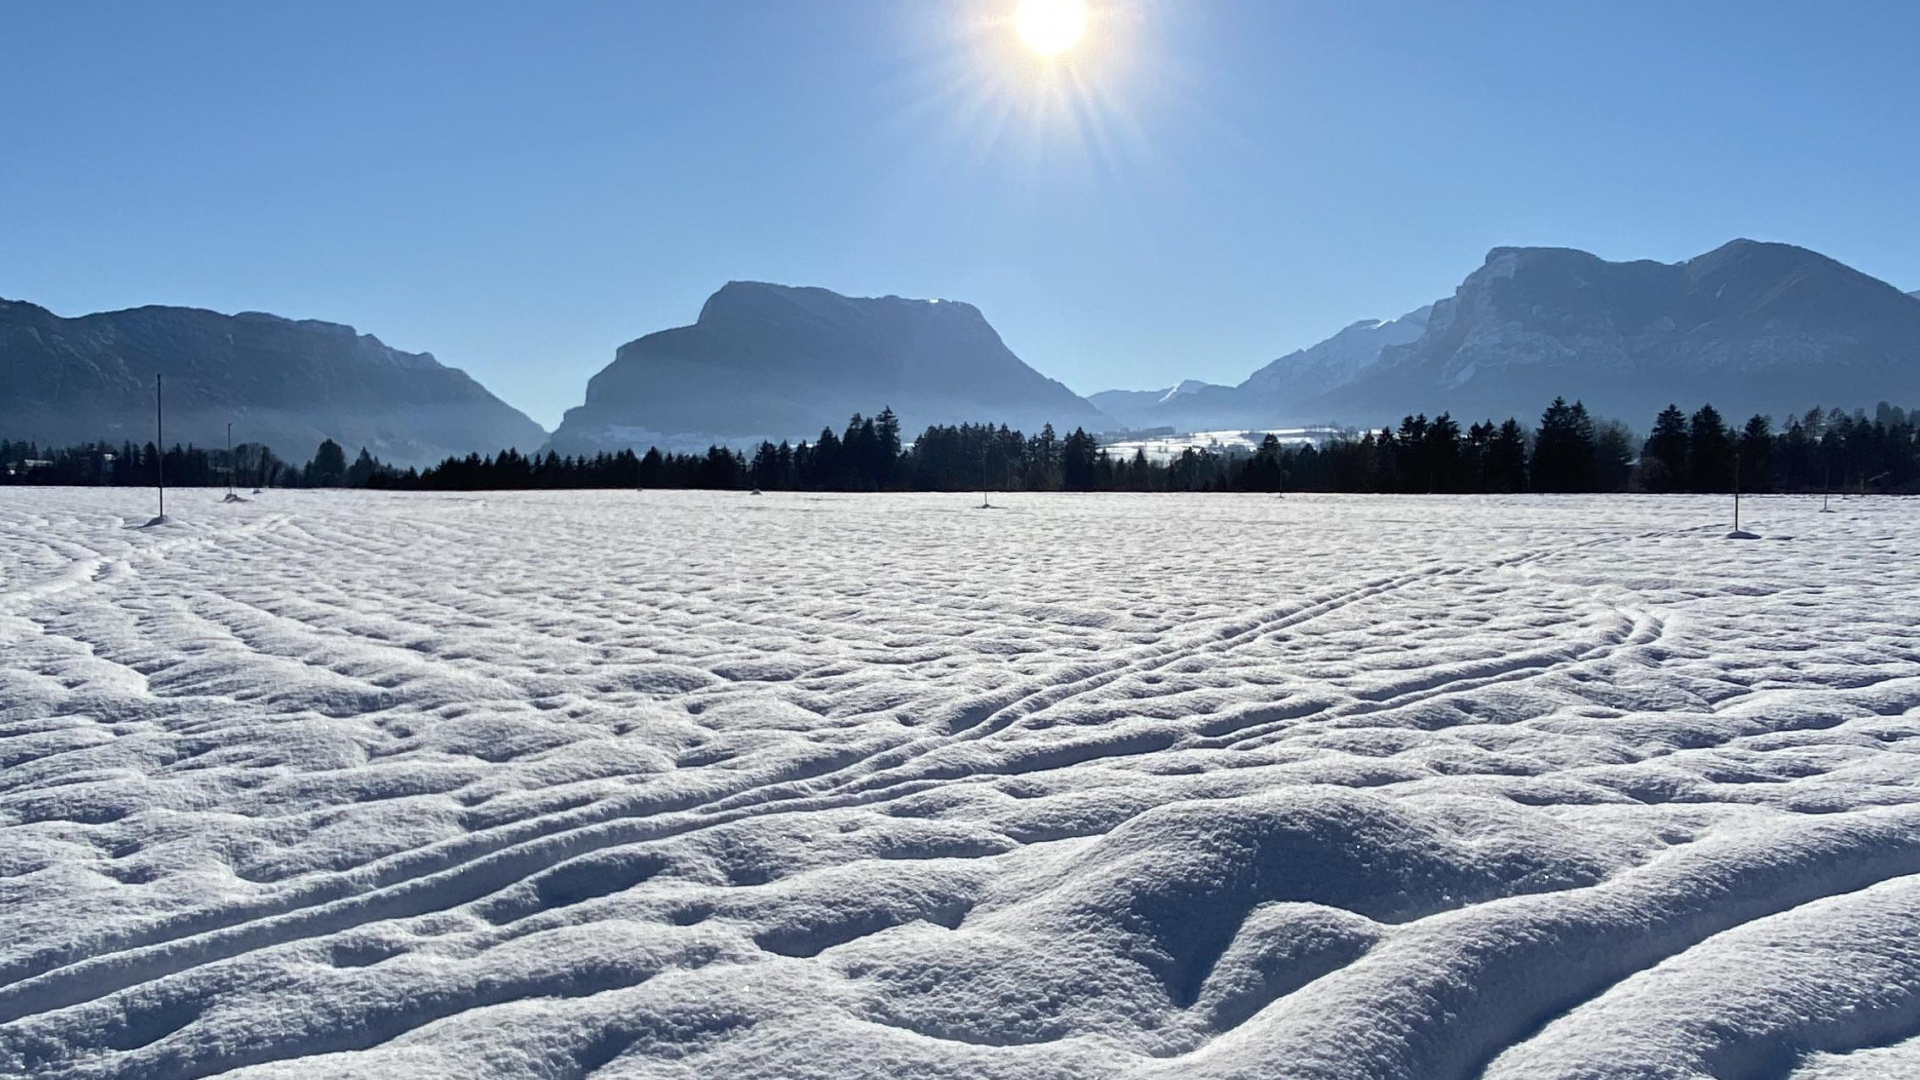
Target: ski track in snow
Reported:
point(698, 784)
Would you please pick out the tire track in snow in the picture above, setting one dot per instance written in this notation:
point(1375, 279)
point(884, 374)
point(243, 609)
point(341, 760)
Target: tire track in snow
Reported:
point(442, 884)
point(1448, 680)
point(785, 796)
point(92, 567)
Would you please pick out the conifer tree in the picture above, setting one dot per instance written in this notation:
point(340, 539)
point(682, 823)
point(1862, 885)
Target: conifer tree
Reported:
point(1507, 458)
point(1755, 454)
point(1663, 461)
point(1442, 454)
point(329, 465)
point(361, 470)
point(886, 447)
point(1709, 452)
point(652, 469)
point(1563, 449)
point(1079, 460)
point(828, 466)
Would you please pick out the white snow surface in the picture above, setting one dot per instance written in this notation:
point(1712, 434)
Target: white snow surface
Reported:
point(1165, 448)
point(676, 785)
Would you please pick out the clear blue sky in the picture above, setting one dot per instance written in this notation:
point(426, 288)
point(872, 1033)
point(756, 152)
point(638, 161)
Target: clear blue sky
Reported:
point(1204, 185)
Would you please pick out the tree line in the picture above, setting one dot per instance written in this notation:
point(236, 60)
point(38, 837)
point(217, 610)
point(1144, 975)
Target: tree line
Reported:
point(128, 464)
point(1569, 450)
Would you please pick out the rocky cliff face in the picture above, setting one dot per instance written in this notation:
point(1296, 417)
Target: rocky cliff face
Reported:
point(282, 382)
point(774, 362)
point(1342, 358)
point(1273, 394)
point(1753, 327)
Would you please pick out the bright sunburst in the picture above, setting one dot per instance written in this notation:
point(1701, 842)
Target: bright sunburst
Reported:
point(1047, 87)
point(1051, 27)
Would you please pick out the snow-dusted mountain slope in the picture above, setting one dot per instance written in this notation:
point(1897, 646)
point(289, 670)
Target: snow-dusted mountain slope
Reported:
point(1148, 408)
point(337, 784)
point(1278, 389)
point(1305, 373)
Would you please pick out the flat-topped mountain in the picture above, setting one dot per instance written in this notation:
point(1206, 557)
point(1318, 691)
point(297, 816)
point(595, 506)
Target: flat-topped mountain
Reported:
point(777, 362)
point(286, 383)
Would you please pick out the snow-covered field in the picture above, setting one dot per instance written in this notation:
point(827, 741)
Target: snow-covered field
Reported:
point(706, 785)
point(1164, 448)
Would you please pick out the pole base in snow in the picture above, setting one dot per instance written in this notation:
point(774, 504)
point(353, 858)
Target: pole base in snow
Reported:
point(1742, 534)
point(161, 520)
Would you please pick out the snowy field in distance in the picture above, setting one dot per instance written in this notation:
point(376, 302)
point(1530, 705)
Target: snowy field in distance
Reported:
point(1164, 448)
point(685, 785)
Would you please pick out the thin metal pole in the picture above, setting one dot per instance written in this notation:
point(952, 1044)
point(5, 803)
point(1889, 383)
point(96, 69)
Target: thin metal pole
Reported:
point(160, 441)
point(1736, 489)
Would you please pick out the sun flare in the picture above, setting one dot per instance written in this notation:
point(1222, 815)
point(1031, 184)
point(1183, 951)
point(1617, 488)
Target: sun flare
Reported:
point(1051, 27)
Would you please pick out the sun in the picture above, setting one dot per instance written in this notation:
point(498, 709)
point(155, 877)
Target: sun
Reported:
point(1051, 27)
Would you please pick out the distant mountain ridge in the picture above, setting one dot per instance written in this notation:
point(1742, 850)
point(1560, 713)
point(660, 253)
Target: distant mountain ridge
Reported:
point(283, 382)
point(1271, 395)
point(1336, 361)
point(1148, 408)
point(1750, 326)
point(779, 362)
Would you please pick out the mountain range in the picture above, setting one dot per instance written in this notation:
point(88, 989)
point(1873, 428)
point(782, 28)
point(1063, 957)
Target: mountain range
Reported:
point(1266, 398)
point(776, 362)
point(1750, 326)
point(286, 383)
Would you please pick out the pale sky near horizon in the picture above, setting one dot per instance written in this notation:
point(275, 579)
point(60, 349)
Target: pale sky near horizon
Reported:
point(1197, 187)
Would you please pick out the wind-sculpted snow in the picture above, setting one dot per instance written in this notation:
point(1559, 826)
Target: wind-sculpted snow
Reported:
point(707, 785)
